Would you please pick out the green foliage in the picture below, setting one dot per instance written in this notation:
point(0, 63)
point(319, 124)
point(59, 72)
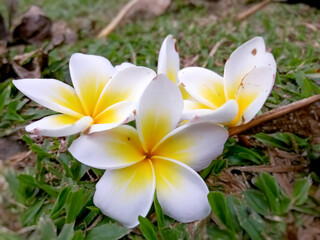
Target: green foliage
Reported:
point(284, 141)
point(301, 190)
point(12, 106)
point(107, 231)
point(239, 155)
point(253, 214)
point(147, 228)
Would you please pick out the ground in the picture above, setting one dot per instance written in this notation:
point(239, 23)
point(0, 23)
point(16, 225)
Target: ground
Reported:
point(264, 186)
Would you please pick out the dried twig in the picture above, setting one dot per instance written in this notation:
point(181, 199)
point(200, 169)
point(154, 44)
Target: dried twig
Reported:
point(268, 168)
point(275, 113)
point(117, 20)
point(243, 15)
point(213, 51)
point(98, 219)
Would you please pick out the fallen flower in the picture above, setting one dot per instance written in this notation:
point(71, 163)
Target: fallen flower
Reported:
point(102, 98)
point(155, 155)
point(236, 97)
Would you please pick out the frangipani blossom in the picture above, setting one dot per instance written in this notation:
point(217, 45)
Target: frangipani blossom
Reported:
point(155, 155)
point(169, 63)
point(236, 97)
point(102, 97)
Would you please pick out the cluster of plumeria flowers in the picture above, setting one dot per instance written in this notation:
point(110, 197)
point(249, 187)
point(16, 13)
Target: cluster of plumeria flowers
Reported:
point(179, 114)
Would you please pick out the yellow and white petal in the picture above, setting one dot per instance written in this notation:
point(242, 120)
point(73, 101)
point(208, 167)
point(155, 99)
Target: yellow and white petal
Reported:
point(253, 93)
point(52, 94)
point(242, 61)
point(113, 116)
point(159, 111)
point(192, 104)
point(59, 125)
point(185, 94)
point(195, 144)
point(89, 75)
point(168, 60)
point(204, 85)
point(116, 148)
point(222, 115)
point(181, 192)
point(127, 193)
point(126, 85)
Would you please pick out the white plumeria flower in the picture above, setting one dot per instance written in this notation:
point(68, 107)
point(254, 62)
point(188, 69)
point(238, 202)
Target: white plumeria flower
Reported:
point(236, 97)
point(102, 98)
point(169, 63)
point(156, 155)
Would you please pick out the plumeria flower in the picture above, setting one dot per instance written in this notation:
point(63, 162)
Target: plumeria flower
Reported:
point(155, 155)
point(102, 97)
point(169, 62)
point(236, 97)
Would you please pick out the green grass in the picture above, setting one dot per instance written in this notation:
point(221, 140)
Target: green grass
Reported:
point(38, 196)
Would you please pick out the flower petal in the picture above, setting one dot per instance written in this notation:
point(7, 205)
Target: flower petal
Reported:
point(168, 61)
point(116, 148)
point(192, 104)
point(242, 61)
point(181, 192)
point(223, 115)
point(113, 116)
point(59, 125)
point(126, 85)
point(195, 144)
point(52, 94)
point(126, 193)
point(253, 92)
point(204, 85)
point(123, 66)
point(89, 76)
point(158, 111)
point(185, 94)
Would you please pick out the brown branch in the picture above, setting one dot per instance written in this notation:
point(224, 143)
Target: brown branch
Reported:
point(117, 20)
point(275, 113)
point(243, 15)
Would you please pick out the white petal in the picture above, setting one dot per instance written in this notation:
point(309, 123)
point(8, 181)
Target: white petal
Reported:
point(52, 94)
point(242, 61)
point(159, 111)
point(204, 85)
point(181, 192)
point(126, 85)
point(223, 115)
point(113, 116)
point(116, 148)
point(59, 125)
point(89, 76)
point(168, 61)
point(126, 193)
point(195, 144)
point(123, 66)
point(253, 92)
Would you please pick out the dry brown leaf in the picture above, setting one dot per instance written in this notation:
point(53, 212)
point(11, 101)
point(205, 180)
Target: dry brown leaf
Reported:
point(61, 33)
point(36, 61)
point(34, 28)
point(146, 9)
point(9, 147)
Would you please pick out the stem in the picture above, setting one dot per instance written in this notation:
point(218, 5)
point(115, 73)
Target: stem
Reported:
point(275, 113)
